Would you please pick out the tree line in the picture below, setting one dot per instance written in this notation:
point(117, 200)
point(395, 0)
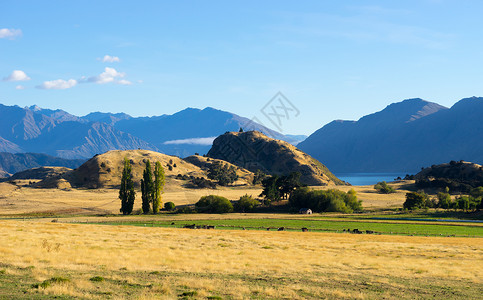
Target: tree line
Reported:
point(152, 185)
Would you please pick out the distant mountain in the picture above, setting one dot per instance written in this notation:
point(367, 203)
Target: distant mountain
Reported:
point(401, 138)
point(14, 163)
point(254, 151)
point(189, 131)
point(107, 118)
point(56, 132)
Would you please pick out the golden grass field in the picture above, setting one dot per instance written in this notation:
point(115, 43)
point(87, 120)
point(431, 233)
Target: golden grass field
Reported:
point(22, 199)
point(169, 263)
point(153, 263)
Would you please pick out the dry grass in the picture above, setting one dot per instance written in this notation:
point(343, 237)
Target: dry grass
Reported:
point(287, 265)
point(22, 199)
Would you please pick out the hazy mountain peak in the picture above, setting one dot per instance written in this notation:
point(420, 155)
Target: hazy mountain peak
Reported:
point(405, 111)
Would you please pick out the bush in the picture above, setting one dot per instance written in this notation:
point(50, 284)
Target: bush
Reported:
point(246, 204)
point(325, 201)
point(185, 210)
point(97, 278)
point(202, 183)
point(213, 204)
point(169, 206)
point(384, 188)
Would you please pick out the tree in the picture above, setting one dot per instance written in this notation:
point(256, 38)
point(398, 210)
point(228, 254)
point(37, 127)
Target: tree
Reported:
point(213, 204)
point(384, 188)
point(258, 176)
point(147, 188)
point(246, 204)
point(288, 183)
point(271, 190)
point(158, 186)
point(126, 192)
point(444, 200)
point(415, 200)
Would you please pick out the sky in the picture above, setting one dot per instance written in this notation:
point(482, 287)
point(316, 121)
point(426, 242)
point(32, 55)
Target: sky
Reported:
point(329, 59)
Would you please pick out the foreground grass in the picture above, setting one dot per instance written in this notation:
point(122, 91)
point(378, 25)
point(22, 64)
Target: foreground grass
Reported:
point(43, 259)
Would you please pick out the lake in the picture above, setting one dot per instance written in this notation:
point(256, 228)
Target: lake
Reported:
point(368, 178)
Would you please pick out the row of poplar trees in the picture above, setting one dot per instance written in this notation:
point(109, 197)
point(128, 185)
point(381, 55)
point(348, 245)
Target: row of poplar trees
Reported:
point(151, 188)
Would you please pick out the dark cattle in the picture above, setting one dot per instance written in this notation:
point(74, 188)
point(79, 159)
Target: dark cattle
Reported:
point(190, 226)
point(304, 229)
point(356, 231)
point(268, 228)
point(281, 229)
point(369, 231)
point(210, 227)
point(172, 223)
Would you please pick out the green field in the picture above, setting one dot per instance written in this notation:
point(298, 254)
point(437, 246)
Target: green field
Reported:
point(339, 224)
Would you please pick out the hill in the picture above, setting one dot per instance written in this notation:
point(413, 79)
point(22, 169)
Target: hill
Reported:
point(13, 163)
point(205, 163)
point(105, 170)
point(457, 176)
point(253, 150)
point(40, 173)
point(402, 137)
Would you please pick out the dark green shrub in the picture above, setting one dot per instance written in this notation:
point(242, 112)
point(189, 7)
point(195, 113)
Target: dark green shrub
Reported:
point(97, 278)
point(169, 206)
point(416, 200)
point(325, 201)
point(384, 188)
point(185, 210)
point(49, 282)
point(246, 204)
point(214, 204)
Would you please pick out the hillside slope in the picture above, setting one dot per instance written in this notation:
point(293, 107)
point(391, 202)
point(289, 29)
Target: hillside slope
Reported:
point(253, 150)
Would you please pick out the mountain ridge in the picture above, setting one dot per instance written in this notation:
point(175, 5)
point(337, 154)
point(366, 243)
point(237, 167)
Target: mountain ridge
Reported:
point(423, 133)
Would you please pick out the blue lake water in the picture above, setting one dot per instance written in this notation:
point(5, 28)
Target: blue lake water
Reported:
point(368, 178)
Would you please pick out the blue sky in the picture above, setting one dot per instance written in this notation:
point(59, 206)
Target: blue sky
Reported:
point(331, 59)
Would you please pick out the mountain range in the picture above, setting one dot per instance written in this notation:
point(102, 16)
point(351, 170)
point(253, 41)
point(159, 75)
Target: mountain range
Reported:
point(403, 137)
point(58, 133)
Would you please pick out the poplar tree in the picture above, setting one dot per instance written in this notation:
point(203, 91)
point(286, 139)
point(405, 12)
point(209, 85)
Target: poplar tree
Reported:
point(147, 188)
point(126, 192)
point(158, 186)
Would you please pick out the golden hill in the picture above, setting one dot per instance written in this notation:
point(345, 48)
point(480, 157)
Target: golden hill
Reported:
point(253, 150)
point(244, 176)
point(105, 170)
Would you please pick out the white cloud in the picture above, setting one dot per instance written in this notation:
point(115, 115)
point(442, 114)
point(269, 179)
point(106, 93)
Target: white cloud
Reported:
point(124, 82)
point(6, 33)
point(58, 84)
point(111, 59)
point(17, 75)
point(20, 87)
point(206, 141)
point(109, 75)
